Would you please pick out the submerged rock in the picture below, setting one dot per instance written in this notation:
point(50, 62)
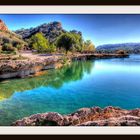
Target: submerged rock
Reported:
point(109, 116)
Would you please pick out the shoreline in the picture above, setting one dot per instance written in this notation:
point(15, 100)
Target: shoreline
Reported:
point(95, 116)
point(36, 63)
point(33, 65)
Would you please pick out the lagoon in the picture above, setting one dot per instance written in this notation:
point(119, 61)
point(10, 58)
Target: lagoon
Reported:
point(102, 82)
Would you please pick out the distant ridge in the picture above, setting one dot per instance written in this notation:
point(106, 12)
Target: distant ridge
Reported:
point(129, 47)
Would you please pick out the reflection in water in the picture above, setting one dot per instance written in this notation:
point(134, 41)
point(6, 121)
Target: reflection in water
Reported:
point(105, 82)
point(52, 78)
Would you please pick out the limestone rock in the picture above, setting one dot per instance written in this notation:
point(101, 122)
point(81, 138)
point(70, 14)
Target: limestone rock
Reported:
point(3, 27)
point(109, 116)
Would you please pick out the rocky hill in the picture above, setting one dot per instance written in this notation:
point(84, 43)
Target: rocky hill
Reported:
point(7, 36)
point(109, 116)
point(3, 27)
point(129, 47)
point(51, 31)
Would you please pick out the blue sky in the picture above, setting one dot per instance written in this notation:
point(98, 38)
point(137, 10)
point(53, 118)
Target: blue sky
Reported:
point(101, 29)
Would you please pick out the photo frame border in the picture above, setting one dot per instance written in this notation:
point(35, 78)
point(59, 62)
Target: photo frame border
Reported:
point(133, 130)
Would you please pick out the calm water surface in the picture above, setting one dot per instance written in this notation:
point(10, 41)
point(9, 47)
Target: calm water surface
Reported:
point(104, 82)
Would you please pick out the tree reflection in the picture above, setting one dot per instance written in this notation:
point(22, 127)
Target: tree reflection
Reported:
point(53, 78)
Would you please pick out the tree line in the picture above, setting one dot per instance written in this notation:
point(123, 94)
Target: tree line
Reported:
point(67, 42)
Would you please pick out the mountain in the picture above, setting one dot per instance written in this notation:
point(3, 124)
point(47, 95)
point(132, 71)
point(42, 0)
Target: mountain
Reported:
point(129, 47)
point(3, 27)
point(51, 31)
point(7, 36)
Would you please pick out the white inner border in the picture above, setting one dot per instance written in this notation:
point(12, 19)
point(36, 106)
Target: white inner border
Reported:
point(69, 10)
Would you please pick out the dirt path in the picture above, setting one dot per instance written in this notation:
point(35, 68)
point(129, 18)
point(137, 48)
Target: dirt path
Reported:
point(32, 56)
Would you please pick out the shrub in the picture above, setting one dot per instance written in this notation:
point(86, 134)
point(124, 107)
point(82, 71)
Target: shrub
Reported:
point(15, 51)
point(8, 48)
point(121, 52)
point(88, 47)
point(1, 41)
point(6, 40)
point(0, 49)
point(51, 48)
point(70, 42)
point(20, 46)
point(39, 43)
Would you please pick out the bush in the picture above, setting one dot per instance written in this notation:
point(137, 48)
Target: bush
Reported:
point(121, 52)
point(51, 48)
point(8, 47)
point(6, 40)
point(88, 47)
point(39, 43)
point(1, 41)
point(20, 46)
point(0, 49)
point(70, 42)
point(15, 51)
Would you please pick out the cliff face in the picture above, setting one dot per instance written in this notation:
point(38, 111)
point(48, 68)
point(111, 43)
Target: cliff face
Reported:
point(109, 116)
point(51, 31)
point(7, 36)
point(3, 27)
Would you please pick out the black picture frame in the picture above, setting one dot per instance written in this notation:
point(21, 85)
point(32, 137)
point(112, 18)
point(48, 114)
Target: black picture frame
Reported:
point(70, 2)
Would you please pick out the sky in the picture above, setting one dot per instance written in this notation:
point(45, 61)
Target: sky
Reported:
point(99, 28)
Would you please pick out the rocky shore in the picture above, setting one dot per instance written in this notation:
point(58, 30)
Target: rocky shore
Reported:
point(10, 67)
point(21, 69)
point(98, 56)
point(96, 116)
point(31, 65)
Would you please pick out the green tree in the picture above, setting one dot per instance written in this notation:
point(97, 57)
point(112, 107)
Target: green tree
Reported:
point(39, 43)
point(69, 42)
point(88, 46)
point(52, 48)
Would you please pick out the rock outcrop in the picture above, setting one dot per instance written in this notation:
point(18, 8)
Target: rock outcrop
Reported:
point(51, 31)
point(24, 68)
point(109, 116)
point(9, 37)
point(3, 27)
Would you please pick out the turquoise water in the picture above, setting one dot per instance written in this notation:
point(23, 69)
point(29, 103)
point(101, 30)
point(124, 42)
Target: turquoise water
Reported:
point(103, 82)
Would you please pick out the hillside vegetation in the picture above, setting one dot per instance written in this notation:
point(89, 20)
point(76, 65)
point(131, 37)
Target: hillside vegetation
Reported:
point(52, 37)
point(10, 41)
